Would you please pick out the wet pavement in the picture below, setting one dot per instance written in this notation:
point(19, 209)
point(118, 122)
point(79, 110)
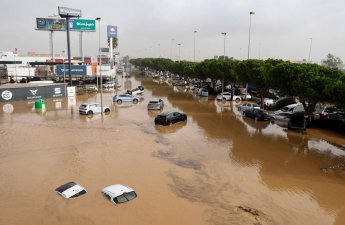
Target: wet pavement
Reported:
point(216, 168)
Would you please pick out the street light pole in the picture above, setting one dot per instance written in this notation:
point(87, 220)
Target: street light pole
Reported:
point(224, 60)
point(224, 45)
point(194, 43)
point(311, 42)
point(171, 49)
point(64, 67)
point(100, 59)
point(250, 24)
point(179, 51)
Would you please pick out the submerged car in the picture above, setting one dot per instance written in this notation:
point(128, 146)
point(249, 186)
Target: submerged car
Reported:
point(226, 96)
point(155, 105)
point(136, 91)
point(169, 118)
point(247, 106)
point(257, 114)
point(290, 120)
point(125, 98)
point(70, 190)
point(111, 84)
point(92, 108)
point(119, 193)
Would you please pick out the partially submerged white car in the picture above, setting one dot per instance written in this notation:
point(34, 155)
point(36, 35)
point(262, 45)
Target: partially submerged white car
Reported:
point(119, 193)
point(70, 190)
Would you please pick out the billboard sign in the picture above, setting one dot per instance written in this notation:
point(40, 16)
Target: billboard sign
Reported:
point(60, 24)
point(76, 70)
point(82, 25)
point(112, 31)
point(51, 24)
point(68, 12)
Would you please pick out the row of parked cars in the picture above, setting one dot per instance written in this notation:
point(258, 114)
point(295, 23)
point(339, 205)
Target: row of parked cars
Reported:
point(164, 118)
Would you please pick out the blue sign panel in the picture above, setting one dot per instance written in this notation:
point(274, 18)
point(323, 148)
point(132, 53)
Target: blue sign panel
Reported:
point(76, 70)
point(112, 31)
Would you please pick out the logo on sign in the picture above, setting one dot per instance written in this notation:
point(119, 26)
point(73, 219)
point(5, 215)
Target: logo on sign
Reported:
point(34, 92)
point(57, 91)
point(6, 95)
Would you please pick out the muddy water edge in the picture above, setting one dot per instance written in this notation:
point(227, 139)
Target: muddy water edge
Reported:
point(216, 168)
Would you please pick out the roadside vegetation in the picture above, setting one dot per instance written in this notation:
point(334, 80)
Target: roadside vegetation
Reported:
point(311, 83)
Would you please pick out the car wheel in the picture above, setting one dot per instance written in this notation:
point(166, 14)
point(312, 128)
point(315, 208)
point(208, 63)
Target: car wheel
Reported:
point(135, 101)
point(107, 110)
point(90, 113)
point(224, 99)
point(237, 100)
point(119, 101)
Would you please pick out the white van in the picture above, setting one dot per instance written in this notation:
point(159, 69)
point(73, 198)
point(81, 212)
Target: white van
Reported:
point(297, 107)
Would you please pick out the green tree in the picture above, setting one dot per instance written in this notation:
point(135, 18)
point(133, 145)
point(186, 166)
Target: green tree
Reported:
point(332, 61)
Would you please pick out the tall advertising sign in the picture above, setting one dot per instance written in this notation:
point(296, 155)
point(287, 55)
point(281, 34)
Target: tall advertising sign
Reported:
point(51, 24)
point(82, 25)
point(112, 31)
point(60, 24)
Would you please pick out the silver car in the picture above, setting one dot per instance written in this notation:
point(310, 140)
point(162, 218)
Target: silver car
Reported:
point(125, 98)
point(247, 106)
point(155, 105)
point(92, 108)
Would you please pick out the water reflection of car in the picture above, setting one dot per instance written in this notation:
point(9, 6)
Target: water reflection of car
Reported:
point(119, 193)
point(136, 91)
point(155, 104)
point(92, 108)
point(168, 118)
point(257, 114)
point(247, 106)
point(125, 98)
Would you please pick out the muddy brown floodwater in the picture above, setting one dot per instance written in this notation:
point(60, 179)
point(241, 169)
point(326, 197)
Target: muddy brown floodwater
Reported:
point(216, 168)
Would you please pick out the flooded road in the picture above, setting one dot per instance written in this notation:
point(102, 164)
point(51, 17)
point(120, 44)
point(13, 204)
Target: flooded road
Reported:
point(216, 168)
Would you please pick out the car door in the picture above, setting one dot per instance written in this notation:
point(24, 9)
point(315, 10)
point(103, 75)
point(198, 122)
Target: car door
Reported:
point(97, 108)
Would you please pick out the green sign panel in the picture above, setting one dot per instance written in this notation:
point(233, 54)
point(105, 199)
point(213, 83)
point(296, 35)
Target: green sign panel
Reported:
point(84, 25)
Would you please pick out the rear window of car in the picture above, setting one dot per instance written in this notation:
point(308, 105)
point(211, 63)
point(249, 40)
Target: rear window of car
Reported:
point(153, 102)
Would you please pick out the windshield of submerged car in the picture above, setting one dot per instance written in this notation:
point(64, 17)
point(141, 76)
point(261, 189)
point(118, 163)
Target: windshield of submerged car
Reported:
point(125, 197)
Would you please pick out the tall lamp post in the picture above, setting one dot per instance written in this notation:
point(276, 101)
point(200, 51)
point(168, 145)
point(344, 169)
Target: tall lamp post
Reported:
point(194, 43)
point(224, 45)
point(179, 51)
point(311, 42)
point(224, 34)
point(64, 67)
point(100, 59)
point(250, 25)
point(171, 49)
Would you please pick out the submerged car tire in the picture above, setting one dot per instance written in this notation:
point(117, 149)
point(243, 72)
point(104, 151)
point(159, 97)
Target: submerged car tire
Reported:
point(119, 101)
point(237, 100)
point(89, 113)
point(107, 110)
point(135, 101)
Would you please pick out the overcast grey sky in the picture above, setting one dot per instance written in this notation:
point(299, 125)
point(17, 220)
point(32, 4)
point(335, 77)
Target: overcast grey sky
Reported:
point(280, 28)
